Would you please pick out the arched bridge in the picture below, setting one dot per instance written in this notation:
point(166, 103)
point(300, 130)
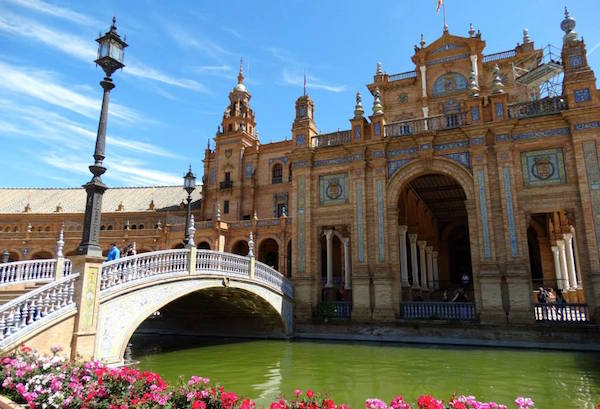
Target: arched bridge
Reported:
point(131, 289)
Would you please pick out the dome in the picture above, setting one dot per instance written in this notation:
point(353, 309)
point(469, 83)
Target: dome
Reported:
point(240, 87)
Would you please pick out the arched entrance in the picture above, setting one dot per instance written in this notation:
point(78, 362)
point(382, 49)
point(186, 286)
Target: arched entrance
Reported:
point(268, 253)
point(337, 254)
point(41, 255)
point(240, 248)
point(203, 245)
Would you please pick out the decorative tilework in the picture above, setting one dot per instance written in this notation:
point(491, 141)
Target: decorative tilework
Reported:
point(446, 47)
point(249, 171)
point(575, 60)
point(394, 165)
point(399, 152)
point(360, 235)
point(503, 137)
point(478, 140)
point(212, 175)
point(544, 167)
point(590, 158)
point(338, 161)
point(542, 134)
point(461, 157)
point(582, 95)
point(512, 232)
point(499, 108)
point(301, 164)
point(450, 145)
point(333, 189)
point(357, 132)
point(283, 159)
point(447, 59)
point(587, 125)
point(377, 154)
point(424, 146)
point(377, 129)
point(485, 229)
point(380, 227)
point(448, 83)
point(475, 114)
point(301, 139)
point(301, 239)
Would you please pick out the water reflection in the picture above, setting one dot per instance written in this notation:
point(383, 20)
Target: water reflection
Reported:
point(351, 372)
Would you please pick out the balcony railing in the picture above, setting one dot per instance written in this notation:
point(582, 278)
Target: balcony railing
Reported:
point(332, 139)
point(438, 310)
point(434, 123)
point(569, 313)
point(342, 309)
point(499, 56)
point(544, 106)
point(402, 76)
point(226, 184)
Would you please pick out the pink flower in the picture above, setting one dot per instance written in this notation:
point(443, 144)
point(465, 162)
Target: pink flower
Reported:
point(524, 403)
point(297, 392)
point(310, 394)
point(375, 404)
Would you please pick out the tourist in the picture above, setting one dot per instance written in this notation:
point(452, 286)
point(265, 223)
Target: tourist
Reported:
point(445, 296)
point(113, 253)
point(550, 296)
point(560, 300)
point(129, 250)
point(542, 296)
point(465, 280)
point(460, 296)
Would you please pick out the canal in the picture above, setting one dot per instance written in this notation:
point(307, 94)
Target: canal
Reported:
point(351, 372)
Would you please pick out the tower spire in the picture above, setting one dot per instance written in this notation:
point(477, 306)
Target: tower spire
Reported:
point(304, 82)
point(241, 73)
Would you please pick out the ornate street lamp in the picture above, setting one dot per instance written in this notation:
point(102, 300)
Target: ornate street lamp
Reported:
point(110, 59)
point(189, 184)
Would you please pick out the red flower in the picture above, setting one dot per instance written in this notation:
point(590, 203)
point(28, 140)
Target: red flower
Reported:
point(198, 404)
point(310, 394)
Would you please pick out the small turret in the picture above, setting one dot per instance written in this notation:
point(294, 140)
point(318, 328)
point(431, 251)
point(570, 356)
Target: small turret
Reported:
point(568, 26)
point(377, 107)
point(498, 86)
point(358, 108)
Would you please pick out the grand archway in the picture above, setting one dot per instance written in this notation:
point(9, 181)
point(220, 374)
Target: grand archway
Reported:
point(268, 253)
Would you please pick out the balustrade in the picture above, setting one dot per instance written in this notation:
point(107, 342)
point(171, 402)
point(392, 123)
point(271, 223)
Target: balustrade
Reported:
point(30, 270)
point(141, 266)
point(569, 313)
point(438, 310)
point(332, 139)
point(214, 262)
point(22, 312)
point(430, 124)
point(273, 278)
point(545, 106)
point(402, 76)
point(502, 55)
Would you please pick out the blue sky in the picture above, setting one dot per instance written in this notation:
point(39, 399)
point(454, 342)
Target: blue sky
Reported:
point(182, 62)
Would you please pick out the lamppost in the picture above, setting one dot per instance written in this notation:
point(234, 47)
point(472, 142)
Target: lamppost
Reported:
point(110, 59)
point(189, 184)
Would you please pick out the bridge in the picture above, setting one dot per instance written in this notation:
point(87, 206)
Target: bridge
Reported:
point(128, 291)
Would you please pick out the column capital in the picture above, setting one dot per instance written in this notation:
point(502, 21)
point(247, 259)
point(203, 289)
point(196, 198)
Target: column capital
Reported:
point(346, 241)
point(402, 229)
point(554, 249)
point(412, 237)
point(434, 253)
point(560, 244)
point(567, 237)
point(328, 233)
point(428, 249)
point(422, 243)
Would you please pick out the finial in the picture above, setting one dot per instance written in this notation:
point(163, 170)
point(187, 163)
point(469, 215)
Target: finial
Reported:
point(379, 70)
point(255, 215)
point(159, 225)
point(498, 86)
point(191, 232)
point(113, 26)
point(241, 73)
point(358, 108)
point(304, 83)
point(29, 227)
point(473, 84)
point(568, 26)
point(526, 38)
point(377, 107)
point(60, 244)
point(251, 245)
point(218, 211)
point(133, 248)
point(471, 30)
point(422, 42)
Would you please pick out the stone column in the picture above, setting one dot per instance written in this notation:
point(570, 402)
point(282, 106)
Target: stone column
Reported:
point(423, 81)
point(403, 257)
point(347, 264)
point(568, 239)
point(329, 237)
point(413, 260)
point(423, 262)
point(436, 277)
point(557, 271)
point(428, 251)
point(563, 264)
point(474, 67)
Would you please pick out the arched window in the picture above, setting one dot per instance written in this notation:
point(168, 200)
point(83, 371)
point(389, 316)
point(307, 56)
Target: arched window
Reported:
point(277, 174)
point(109, 227)
point(141, 227)
point(103, 227)
point(133, 227)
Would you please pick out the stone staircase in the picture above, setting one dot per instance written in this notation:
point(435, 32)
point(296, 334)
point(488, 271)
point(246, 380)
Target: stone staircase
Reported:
point(11, 292)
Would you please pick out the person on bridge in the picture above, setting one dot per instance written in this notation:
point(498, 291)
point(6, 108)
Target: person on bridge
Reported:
point(113, 253)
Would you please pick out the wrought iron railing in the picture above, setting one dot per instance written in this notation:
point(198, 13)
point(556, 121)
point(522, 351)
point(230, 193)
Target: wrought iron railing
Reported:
point(502, 55)
point(431, 124)
point(569, 313)
point(546, 106)
point(438, 310)
point(402, 76)
point(226, 184)
point(30, 309)
point(342, 309)
point(332, 139)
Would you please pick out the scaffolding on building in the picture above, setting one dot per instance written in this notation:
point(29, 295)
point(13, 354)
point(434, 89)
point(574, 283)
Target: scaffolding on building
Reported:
point(545, 78)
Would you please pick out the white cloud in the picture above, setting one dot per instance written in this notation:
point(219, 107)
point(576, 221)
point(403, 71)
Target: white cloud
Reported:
point(86, 51)
point(56, 11)
point(311, 82)
point(188, 40)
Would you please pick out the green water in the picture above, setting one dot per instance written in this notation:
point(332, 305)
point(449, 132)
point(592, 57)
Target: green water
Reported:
point(351, 372)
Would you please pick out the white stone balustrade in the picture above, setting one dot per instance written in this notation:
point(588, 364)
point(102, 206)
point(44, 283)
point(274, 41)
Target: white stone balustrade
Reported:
point(214, 262)
point(29, 270)
point(20, 314)
point(142, 266)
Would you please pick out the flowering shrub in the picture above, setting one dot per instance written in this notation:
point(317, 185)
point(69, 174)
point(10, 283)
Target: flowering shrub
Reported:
point(54, 382)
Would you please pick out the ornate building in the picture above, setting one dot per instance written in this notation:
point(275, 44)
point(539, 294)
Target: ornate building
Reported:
point(469, 173)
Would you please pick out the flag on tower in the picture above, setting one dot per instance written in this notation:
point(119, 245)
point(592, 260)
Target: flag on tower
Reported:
point(439, 4)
